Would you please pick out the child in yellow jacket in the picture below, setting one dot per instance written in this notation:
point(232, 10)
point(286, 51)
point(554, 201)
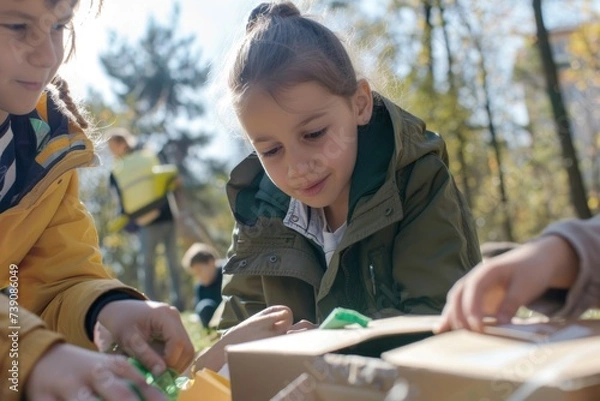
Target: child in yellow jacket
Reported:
point(49, 256)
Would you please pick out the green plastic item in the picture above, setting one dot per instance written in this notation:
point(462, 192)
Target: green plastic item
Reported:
point(169, 382)
point(341, 317)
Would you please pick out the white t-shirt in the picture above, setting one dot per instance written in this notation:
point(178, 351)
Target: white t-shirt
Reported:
point(312, 224)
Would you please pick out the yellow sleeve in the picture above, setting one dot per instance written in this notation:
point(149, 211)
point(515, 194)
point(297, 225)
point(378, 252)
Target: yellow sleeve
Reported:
point(62, 274)
point(24, 339)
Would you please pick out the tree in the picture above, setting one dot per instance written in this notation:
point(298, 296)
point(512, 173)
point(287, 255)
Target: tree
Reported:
point(159, 83)
point(160, 77)
point(487, 103)
point(582, 76)
point(561, 116)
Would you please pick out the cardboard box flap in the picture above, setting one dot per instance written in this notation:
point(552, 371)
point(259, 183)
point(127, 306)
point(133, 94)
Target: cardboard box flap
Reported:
point(546, 332)
point(319, 342)
point(560, 361)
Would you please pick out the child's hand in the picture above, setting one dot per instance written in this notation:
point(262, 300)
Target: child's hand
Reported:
point(302, 325)
point(134, 324)
point(498, 287)
point(270, 322)
point(67, 372)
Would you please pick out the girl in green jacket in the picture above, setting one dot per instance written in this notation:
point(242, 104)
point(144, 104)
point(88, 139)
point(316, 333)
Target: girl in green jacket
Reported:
point(347, 200)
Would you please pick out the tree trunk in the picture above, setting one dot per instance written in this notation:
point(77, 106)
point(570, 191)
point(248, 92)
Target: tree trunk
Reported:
point(427, 38)
point(496, 146)
point(492, 128)
point(462, 142)
point(561, 116)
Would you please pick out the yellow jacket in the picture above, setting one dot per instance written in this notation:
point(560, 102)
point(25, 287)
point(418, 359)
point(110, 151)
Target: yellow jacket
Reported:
point(49, 255)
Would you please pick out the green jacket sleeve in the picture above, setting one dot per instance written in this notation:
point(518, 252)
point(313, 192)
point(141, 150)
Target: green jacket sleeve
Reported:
point(436, 243)
point(243, 297)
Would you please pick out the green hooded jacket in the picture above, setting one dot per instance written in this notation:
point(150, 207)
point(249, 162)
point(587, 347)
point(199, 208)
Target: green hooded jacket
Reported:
point(410, 235)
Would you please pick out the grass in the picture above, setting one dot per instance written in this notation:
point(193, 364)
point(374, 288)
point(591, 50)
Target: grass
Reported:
point(201, 337)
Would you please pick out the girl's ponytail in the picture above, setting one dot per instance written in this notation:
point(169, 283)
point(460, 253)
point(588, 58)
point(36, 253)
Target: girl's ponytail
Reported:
point(265, 11)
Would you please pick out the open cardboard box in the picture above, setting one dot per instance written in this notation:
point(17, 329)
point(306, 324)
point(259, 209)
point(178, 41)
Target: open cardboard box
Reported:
point(260, 369)
point(556, 361)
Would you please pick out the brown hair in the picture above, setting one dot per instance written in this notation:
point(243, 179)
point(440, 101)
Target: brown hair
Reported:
point(282, 48)
point(122, 136)
point(198, 253)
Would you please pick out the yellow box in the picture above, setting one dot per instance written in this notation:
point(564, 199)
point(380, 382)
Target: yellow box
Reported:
point(207, 386)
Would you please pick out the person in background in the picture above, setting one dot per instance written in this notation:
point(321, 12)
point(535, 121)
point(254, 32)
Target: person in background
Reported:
point(347, 200)
point(145, 198)
point(58, 289)
point(557, 274)
point(200, 260)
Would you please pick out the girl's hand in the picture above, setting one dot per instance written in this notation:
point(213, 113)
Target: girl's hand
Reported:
point(67, 372)
point(498, 287)
point(135, 324)
point(270, 322)
point(302, 325)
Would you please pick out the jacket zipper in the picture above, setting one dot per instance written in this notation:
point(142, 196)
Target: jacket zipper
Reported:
point(372, 274)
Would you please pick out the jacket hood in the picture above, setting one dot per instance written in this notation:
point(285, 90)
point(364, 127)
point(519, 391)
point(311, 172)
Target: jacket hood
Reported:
point(412, 139)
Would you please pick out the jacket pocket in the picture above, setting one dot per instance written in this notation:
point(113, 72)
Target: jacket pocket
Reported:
point(276, 256)
point(379, 281)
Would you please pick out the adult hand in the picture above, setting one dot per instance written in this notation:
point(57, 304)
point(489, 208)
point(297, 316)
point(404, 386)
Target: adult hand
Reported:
point(135, 325)
point(67, 372)
point(498, 287)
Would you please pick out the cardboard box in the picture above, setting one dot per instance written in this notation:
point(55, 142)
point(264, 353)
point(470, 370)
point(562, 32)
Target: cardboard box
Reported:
point(260, 369)
point(534, 362)
point(346, 378)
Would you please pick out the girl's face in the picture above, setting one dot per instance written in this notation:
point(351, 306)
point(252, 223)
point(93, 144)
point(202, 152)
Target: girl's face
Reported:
point(306, 140)
point(31, 50)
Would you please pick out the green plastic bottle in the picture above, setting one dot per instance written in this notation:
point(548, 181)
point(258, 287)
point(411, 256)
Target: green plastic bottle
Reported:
point(169, 382)
point(341, 317)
